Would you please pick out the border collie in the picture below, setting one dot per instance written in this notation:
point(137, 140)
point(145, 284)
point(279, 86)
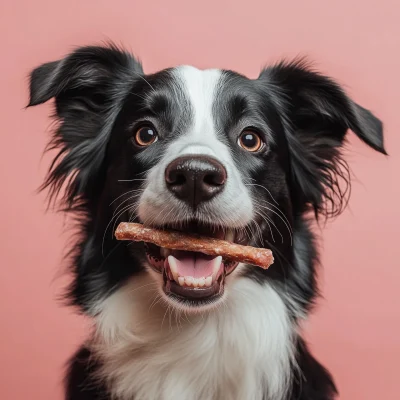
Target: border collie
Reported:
point(254, 161)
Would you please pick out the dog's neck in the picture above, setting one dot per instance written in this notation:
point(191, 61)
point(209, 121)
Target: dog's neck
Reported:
point(241, 350)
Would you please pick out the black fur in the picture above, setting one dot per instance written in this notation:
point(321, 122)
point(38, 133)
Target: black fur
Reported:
point(99, 97)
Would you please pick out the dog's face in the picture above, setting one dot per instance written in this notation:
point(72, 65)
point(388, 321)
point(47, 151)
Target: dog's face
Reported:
point(190, 148)
point(211, 152)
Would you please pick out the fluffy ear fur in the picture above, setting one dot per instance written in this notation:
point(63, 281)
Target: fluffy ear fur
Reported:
point(317, 116)
point(89, 87)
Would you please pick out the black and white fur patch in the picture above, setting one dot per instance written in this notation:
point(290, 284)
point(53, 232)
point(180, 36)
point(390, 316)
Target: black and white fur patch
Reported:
point(247, 344)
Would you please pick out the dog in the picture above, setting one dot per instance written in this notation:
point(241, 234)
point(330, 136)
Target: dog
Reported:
point(252, 161)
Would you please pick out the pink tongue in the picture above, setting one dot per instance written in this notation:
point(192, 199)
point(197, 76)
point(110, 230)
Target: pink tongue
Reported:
point(193, 264)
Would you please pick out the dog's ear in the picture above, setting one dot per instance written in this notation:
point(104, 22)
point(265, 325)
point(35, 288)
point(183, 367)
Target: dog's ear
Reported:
point(89, 87)
point(317, 114)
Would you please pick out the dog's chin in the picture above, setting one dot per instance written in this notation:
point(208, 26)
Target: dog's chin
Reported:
point(190, 280)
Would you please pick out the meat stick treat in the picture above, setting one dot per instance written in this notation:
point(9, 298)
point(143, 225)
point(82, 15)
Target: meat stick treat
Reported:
point(176, 240)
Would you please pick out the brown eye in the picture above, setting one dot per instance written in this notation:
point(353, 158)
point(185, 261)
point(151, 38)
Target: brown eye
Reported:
point(145, 136)
point(250, 141)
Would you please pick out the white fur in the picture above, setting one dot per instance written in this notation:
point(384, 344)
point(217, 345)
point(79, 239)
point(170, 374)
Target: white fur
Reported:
point(239, 351)
point(233, 207)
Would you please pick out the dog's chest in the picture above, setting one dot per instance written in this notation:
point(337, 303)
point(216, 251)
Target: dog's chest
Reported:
point(241, 351)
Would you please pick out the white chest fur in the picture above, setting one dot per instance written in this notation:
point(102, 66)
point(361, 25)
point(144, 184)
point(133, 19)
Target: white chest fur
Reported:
point(240, 351)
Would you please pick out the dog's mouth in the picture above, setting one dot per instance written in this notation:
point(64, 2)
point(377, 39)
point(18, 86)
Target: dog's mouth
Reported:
point(191, 276)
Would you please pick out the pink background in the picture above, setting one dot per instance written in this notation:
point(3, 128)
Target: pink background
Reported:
point(355, 330)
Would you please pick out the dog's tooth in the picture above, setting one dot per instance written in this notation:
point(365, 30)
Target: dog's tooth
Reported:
point(181, 280)
point(202, 281)
point(217, 265)
point(189, 280)
point(173, 267)
point(195, 282)
point(208, 281)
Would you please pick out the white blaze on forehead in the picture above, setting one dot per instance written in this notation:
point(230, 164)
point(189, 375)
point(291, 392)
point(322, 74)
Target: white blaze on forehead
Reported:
point(200, 88)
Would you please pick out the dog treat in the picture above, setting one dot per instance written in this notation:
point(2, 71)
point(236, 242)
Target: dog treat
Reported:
point(175, 240)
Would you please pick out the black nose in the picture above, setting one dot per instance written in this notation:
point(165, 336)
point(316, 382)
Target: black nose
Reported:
point(194, 179)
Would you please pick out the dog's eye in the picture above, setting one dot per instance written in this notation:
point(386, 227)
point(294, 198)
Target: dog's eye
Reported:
point(145, 136)
point(250, 141)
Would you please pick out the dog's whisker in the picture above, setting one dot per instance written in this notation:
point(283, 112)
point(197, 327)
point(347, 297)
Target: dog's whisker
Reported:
point(116, 218)
point(267, 222)
point(166, 311)
point(158, 298)
point(155, 218)
point(263, 187)
point(143, 286)
point(273, 223)
point(277, 208)
point(129, 198)
point(265, 216)
point(259, 232)
point(247, 232)
point(289, 228)
point(131, 180)
point(108, 225)
point(124, 194)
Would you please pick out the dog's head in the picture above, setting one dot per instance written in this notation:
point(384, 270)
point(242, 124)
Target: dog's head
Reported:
point(202, 151)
